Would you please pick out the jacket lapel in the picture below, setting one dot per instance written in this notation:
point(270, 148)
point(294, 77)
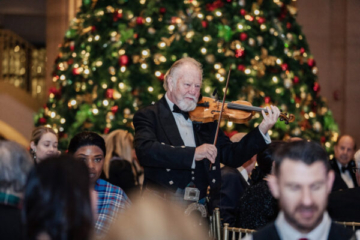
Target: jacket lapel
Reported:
point(167, 122)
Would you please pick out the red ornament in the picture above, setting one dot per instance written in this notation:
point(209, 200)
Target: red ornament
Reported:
point(161, 77)
point(302, 50)
point(288, 25)
point(261, 20)
point(123, 60)
point(42, 121)
point(109, 93)
point(267, 99)
point(296, 80)
point(56, 92)
point(241, 67)
point(117, 15)
point(284, 66)
point(140, 21)
point(162, 10)
point(114, 109)
point(239, 53)
point(204, 24)
point(311, 62)
point(212, 6)
point(230, 134)
point(70, 61)
point(243, 12)
point(297, 99)
point(173, 20)
point(106, 130)
point(323, 139)
point(75, 71)
point(243, 36)
point(316, 87)
point(72, 46)
point(136, 35)
point(93, 28)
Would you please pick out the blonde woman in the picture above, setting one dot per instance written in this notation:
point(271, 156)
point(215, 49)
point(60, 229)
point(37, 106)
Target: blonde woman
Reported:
point(43, 143)
point(120, 166)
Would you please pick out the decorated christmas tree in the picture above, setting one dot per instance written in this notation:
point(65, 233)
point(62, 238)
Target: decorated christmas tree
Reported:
point(115, 54)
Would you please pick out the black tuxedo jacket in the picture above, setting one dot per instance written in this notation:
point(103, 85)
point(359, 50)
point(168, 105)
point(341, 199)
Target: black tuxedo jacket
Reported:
point(167, 162)
point(233, 186)
point(339, 183)
point(337, 232)
point(344, 205)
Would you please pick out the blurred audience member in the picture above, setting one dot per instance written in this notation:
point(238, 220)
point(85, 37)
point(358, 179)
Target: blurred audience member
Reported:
point(344, 205)
point(90, 148)
point(151, 218)
point(15, 164)
point(43, 143)
point(120, 166)
point(302, 181)
point(343, 163)
point(57, 201)
point(234, 181)
point(257, 206)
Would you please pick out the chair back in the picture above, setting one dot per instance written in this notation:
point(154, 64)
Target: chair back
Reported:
point(353, 225)
point(215, 225)
point(234, 232)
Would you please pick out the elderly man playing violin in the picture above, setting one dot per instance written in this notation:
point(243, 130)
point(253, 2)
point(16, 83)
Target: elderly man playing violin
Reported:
point(179, 157)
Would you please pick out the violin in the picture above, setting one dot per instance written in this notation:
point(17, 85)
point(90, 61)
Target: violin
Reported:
point(209, 109)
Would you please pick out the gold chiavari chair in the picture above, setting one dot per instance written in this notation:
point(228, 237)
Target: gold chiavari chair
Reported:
point(350, 224)
point(215, 224)
point(235, 232)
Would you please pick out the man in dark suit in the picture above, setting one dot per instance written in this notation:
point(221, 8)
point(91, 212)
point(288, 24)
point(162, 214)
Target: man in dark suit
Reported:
point(175, 152)
point(302, 181)
point(343, 163)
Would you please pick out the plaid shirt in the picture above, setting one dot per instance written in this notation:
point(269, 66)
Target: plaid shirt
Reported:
point(111, 201)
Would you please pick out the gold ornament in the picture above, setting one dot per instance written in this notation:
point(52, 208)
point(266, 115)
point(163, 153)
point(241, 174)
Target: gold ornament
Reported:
point(112, 70)
point(169, 40)
point(210, 58)
point(317, 126)
point(152, 31)
point(251, 42)
point(260, 40)
point(288, 83)
point(235, 44)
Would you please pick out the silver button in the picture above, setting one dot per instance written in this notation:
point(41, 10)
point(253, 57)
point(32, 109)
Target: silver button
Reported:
point(214, 168)
point(163, 143)
point(182, 146)
point(193, 178)
point(168, 169)
point(172, 146)
point(171, 182)
point(214, 180)
point(192, 172)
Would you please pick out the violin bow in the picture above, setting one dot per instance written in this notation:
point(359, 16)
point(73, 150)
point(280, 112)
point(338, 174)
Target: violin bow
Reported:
point(221, 111)
point(222, 108)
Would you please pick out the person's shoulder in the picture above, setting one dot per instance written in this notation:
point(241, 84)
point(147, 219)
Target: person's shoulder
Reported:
point(149, 110)
point(111, 189)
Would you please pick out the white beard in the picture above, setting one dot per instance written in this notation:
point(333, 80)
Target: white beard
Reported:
point(187, 106)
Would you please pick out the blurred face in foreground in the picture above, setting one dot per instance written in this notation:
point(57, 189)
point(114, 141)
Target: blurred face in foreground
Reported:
point(302, 191)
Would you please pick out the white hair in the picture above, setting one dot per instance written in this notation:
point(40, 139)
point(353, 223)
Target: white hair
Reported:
point(172, 73)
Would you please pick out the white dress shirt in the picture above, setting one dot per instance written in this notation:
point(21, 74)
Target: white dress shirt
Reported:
point(287, 232)
point(244, 173)
point(187, 132)
point(346, 176)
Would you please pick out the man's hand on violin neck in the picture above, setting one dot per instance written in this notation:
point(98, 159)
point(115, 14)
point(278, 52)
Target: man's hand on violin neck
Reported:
point(270, 119)
point(206, 150)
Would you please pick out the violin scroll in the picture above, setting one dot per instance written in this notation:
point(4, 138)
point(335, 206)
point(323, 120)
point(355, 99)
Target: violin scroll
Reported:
point(288, 118)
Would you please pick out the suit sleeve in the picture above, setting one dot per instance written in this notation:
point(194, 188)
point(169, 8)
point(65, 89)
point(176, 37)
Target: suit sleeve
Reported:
point(236, 154)
point(151, 152)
